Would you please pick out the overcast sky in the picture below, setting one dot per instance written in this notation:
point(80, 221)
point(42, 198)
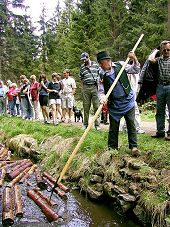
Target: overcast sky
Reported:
point(36, 7)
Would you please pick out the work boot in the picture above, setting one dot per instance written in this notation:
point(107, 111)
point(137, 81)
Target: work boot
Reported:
point(168, 136)
point(158, 135)
point(135, 152)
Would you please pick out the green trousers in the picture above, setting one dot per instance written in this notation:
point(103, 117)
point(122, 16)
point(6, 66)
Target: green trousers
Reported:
point(90, 95)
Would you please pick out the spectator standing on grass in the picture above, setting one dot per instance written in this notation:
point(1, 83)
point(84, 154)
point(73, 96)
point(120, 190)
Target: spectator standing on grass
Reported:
point(21, 95)
point(34, 91)
point(14, 93)
point(2, 98)
point(121, 102)
point(54, 89)
point(68, 92)
point(163, 87)
point(89, 76)
point(8, 84)
point(43, 97)
point(27, 105)
point(10, 99)
point(133, 79)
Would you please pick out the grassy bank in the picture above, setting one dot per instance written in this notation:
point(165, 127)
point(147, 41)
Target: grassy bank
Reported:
point(94, 142)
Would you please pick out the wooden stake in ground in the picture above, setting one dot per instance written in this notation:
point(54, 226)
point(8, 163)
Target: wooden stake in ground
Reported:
point(96, 114)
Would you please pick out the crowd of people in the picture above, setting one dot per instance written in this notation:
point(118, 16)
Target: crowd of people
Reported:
point(27, 96)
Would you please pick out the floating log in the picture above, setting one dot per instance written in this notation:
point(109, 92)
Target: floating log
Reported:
point(2, 163)
point(18, 201)
point(56, 190)
point(18, 177)
point(20, 164)
point(4, 153)
point(20, 169)
point(8, 158)
point(44, 197)
point(53, 180)
point(40, 182)
point(28, 174)
point(2, 176)
point(7, 213)
point(1, 145)
point(7, 162)
point(11, 166)
point(1, 150)
point(50, 214)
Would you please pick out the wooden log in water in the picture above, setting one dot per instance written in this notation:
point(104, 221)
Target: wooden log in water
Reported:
point(1, 149)
point(50, 214)
point(18, 177)
point(44, 197)
point(40, 182)
point(2, 176)
point(11, 166)
point(7, 212)
point(62, 194)
point(4, 153)
point(8, 158)
point(53, 180)
point(28, 174)
point(18, 202)
point(20, 169)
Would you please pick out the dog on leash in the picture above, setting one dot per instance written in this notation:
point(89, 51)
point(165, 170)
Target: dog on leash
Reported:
point(77, 114)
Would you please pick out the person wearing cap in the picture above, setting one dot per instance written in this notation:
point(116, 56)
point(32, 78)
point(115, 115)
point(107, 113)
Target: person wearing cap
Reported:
point(89, 76)
point(121, 102)
point(162, 88)
point(68, 92)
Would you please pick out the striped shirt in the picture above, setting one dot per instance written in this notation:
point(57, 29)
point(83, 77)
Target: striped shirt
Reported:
point(164, 70)
point(89, 75)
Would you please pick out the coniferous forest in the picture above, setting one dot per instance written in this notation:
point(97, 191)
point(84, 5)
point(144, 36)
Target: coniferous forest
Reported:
point(84, 25)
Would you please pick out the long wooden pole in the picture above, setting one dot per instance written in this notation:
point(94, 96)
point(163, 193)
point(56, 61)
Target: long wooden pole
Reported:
point(96, 114)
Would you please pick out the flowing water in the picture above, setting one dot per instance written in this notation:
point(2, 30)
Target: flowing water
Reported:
point(97, 214)
point(76, 211)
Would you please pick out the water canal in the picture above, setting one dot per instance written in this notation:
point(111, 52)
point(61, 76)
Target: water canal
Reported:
point(76, 211)
point(87, 213)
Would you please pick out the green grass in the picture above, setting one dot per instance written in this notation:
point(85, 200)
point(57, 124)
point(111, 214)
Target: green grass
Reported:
point(94, 141)
point(148, 116)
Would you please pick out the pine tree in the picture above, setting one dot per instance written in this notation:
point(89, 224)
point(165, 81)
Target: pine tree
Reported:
point(17, 41)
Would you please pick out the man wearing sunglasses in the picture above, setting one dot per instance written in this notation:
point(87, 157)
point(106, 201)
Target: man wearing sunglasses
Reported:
point(163, 88)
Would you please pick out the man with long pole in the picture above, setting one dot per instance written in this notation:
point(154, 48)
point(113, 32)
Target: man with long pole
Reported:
point(121, 102)
point(94, 118)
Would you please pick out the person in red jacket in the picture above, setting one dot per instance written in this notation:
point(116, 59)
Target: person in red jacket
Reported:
point(35, 96)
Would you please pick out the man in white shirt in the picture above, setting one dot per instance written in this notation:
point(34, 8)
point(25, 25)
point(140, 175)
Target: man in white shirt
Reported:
point(68, 91)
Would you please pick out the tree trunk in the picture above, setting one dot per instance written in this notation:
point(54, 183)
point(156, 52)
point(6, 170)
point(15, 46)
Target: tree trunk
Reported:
point(169, 17)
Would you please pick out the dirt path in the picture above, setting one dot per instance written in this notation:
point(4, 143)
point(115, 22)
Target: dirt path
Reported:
point(148, 127)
